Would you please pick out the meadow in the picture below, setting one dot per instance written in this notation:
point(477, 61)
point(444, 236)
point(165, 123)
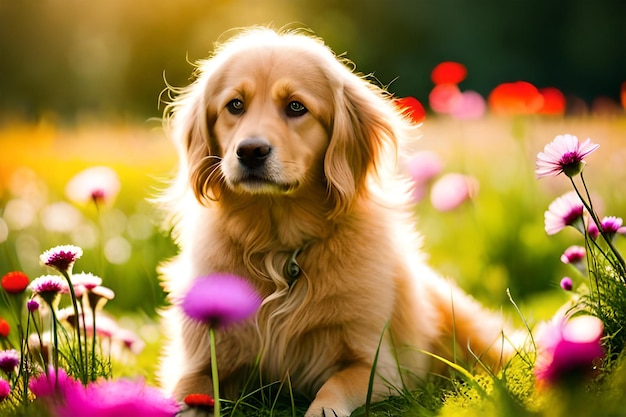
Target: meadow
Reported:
point(493, 243)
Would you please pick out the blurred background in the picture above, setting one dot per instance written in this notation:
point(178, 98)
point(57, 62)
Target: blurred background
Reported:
point(109, 58)
point(81, 82)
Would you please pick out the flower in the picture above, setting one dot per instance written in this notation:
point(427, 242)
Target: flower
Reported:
point(105, 398)
point(448, 72)
point(470, 105)
point(48, 287)
point(199, 400)
point(5, 389)
point(563, 155)
point(14, 282)
point(62, 257)
point(444, 98)
point(567, 349)
point(220, 299)
point(5, 328)
point(451, 190)
point(573, 254)
point(567, 284)
point(553, 101)
point(9, 359)
point(519, 97)
point(96, 184)
point(566, 210)
point(32, 305)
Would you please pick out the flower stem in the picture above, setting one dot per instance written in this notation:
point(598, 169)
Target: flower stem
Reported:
point(216, 387)
point(595, 219)
point(81, 360)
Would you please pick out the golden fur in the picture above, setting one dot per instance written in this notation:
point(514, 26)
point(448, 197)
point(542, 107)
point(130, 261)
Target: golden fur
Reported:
point(262, 181)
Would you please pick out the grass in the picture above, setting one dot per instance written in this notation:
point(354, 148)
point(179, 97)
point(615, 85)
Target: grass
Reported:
point(490, 244)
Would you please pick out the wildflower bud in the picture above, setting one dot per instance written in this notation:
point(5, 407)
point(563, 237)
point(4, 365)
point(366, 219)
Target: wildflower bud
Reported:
point(567, 284)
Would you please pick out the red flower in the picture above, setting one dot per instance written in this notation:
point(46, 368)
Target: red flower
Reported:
point(5, 329)
point(448, 73)
point(553, 101)
point(519, 97)
point(14, 282)
point(199, 400)
point(412, 108)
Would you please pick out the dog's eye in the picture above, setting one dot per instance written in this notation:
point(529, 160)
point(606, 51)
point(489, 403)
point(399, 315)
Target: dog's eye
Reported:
point(295, 109)
point(235, 106)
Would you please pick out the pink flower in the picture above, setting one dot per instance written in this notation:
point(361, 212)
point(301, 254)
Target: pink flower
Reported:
point(567, 348)
point(451, 190)
point(48, 287)
point(567, 284)
point(444, 97)
point(220, 299)
point(9, 359)
point(96, 184)
point(573, 254)
point(566, 210)
point(471, 105)
point(32, 305)
point(423, 167)
point(105, 398)
point(5, 389)
point(563, 154)
point(61, 258)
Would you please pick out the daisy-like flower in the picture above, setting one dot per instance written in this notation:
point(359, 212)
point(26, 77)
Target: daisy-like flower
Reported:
point(567, 349)
point(573, 254)
point(563, 155)
point(9, 359)
point(97, 295)
point(97, 184)
point(566, 210)
point(61, 258)
point(48, 287)
point(5, 389)
point(15, 282)
point(220, 299)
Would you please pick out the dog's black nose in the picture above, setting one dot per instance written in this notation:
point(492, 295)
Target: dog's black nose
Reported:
point(252, 152)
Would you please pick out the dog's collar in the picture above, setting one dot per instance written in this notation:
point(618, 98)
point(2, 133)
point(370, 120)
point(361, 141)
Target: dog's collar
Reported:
point(292, 268)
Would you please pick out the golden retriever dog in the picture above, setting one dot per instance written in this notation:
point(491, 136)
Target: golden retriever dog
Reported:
point(289, 178)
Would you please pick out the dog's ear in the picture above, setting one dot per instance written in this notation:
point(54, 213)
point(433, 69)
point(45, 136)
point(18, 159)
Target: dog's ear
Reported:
point(190, 125)
point(363, 128)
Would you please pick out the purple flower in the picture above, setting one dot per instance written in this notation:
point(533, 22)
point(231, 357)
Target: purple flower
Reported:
point(566, 210)
point(48, 287)
point(32, 305)
point(9, 359)
point(106, 398)
point(564, 154)
point(567, 348)
point(573, 255)
point(567, 284)
point(220, 299)
point(5, 389)
point(61, 258)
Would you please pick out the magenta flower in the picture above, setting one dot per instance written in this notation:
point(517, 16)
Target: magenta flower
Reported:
point(107, 398)
point(61, 258)
point(567, 284)
point(452, 190)
point(48, 287)
point(573, 255)
point(5, 389)
point(9, 359)
point(566, 210)
point(32, 305)
point(567, 348)
point(220, 300)
point(564, 154)
point(97, 184)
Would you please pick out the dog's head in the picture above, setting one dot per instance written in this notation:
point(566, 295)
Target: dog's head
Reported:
point(275, 113)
